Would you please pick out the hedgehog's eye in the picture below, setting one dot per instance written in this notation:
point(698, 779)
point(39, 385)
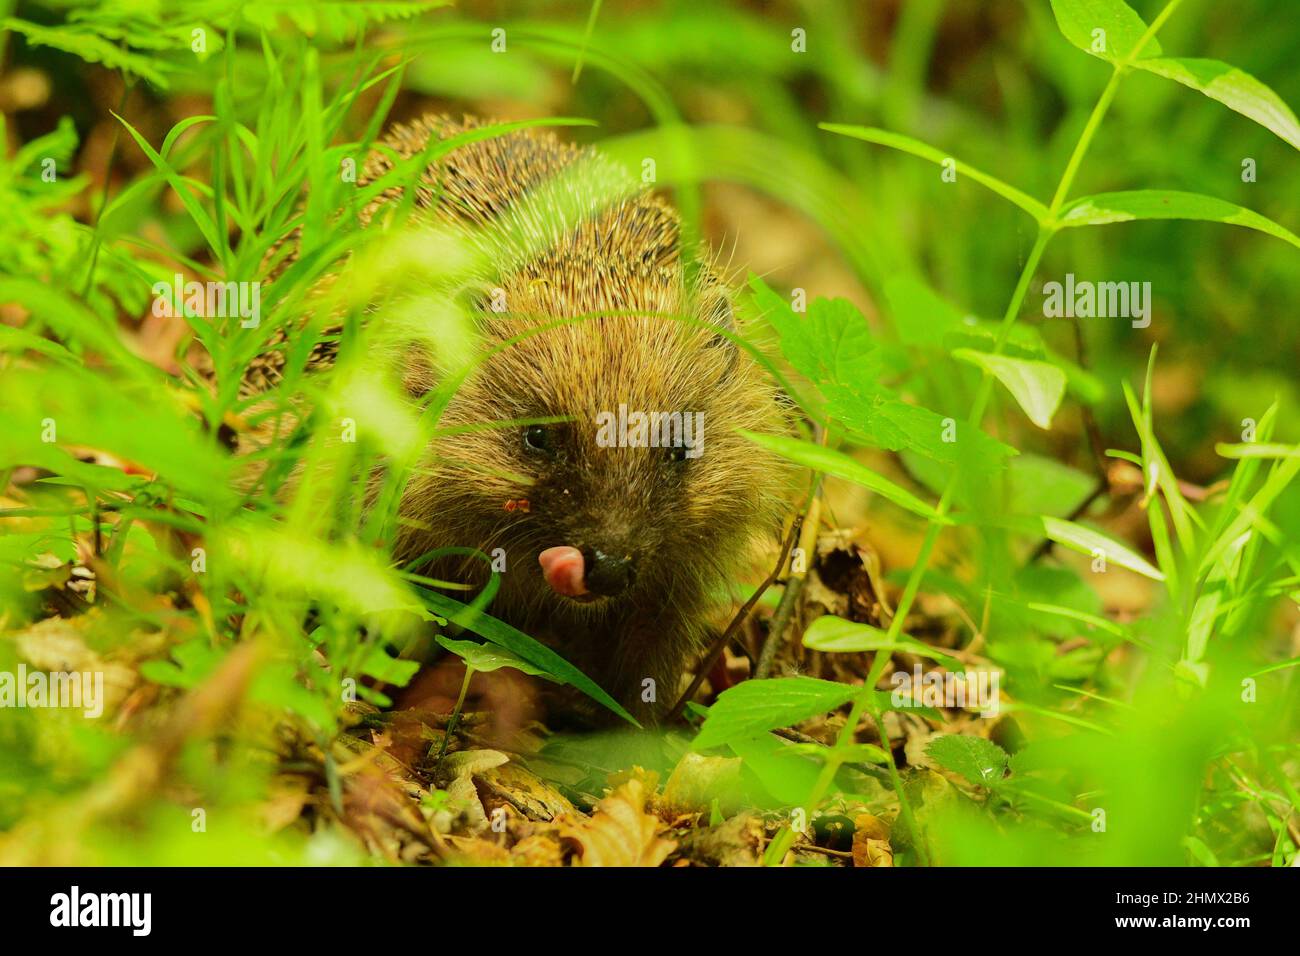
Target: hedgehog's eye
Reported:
point(540, 438)
point(677, 454)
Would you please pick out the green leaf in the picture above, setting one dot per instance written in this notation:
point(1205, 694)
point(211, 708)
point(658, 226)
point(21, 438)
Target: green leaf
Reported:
point(191, 663)
point(1252, 512)
point(278, 685)
point(1257, 450)
point(1122, 28)
point(831, 343)
point(831, 462)
point(833, 347)
point(391, 670)
point(1092, 620)
point(1037, 386)
point(336, 21)
point(179, 185)
point(748, 709)
point(291, 562)
point(484, 657)
point(787, 774)
point(908, 145)
point(859, 753)
point(85, 43)
point(1105, 208)
point(1042, 485)
point(901, 425)
point(922, 316)
point(1279, 666)
point(1087, 540)
point(836, 635)
point(1155, 466)
point(1024, 341)
point(980, 761)
point(531, 650)
point(1233, 88)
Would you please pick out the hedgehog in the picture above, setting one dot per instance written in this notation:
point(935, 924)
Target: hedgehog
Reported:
point(626, 514)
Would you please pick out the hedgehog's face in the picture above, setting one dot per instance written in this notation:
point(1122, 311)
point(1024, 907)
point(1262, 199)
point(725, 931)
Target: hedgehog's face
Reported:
point(621, 472)
point(620, 491)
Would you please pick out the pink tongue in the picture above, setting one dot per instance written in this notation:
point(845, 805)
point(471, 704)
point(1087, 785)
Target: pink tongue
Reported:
point(564, 570)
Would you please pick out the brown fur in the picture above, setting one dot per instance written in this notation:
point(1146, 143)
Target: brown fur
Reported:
point(688, 523)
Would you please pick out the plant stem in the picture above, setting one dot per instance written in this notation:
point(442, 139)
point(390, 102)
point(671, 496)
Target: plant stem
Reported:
point(1103, 105)
point(793, 585)
point(865, 701)
point(454, 719)
point(1085, 140)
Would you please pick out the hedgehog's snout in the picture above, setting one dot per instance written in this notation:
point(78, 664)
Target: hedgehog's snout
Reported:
point(608, 574)
point(587, 573)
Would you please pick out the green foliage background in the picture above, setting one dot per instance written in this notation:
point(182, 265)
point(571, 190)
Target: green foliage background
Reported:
point(219, 153)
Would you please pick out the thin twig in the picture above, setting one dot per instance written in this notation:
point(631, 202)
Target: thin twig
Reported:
point(793, 586)
point(716, 650)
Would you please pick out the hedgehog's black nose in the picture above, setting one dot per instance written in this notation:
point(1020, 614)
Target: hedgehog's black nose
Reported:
point(608, 575)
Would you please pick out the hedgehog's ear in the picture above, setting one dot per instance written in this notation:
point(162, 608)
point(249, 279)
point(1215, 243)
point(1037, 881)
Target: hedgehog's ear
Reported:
point(420, 369)
point(719, 313)
point(417, 372)
point(481, 299)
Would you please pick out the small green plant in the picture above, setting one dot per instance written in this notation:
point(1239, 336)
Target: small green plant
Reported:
point(1207, 565)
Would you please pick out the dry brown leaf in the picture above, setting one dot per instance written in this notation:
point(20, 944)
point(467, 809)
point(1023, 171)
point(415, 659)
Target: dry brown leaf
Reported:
point(621, 832)
point(871, 842)
point(522, 789)
point(476, 851)
point(537, 850)
point(736, 842)
point(469, 763)
point(57, 645)
point(284, 806)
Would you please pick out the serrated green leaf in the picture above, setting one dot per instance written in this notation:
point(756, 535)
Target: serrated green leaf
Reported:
point(980, 761)
point(1037, 387)
point(830, 343)
point(1232, 87)
point(897, 425)
point(90, 46)
point(1105, 208)
point(833, 347)
point(749, 709)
